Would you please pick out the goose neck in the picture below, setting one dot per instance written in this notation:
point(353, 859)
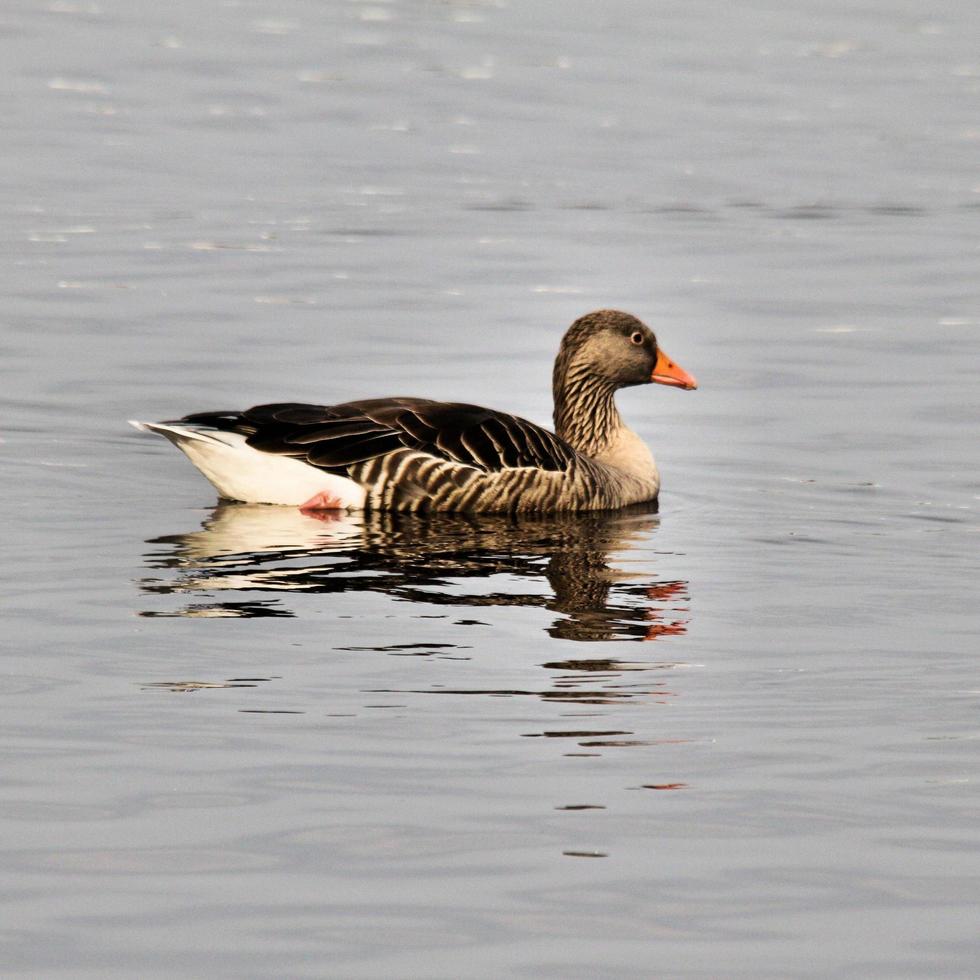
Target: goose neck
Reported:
point(585, 410)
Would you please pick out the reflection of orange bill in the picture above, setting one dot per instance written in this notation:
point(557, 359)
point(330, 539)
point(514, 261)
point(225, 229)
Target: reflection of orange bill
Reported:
point(666, 372)
point(656, 630)
point(664, 592)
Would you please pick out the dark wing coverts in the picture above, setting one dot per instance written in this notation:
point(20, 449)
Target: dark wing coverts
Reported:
point(334, 437)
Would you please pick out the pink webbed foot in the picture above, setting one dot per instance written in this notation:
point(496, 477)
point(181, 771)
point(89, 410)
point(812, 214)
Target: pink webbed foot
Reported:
point(319, 503)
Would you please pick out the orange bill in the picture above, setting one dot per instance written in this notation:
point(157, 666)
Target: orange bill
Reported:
point(666, 372)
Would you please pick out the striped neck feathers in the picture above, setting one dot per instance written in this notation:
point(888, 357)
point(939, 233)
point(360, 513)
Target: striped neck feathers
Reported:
point(586, 416)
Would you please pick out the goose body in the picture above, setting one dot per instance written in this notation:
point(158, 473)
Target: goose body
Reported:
point(414, 454)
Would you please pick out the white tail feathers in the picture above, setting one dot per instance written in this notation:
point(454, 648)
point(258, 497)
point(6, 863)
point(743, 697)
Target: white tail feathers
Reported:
point(239, 472)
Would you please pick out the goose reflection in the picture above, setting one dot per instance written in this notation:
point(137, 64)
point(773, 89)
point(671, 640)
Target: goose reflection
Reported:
point(561, 563)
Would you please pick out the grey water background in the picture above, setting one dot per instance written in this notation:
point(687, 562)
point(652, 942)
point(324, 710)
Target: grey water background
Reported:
point(737, 738)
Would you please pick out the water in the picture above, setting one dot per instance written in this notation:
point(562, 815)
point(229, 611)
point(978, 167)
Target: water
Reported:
point(736, 738)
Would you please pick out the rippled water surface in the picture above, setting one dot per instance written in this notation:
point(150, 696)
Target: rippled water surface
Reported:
point(735, 738)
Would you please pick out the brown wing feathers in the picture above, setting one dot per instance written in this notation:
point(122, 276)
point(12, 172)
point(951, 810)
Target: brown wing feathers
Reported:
point(336, 436)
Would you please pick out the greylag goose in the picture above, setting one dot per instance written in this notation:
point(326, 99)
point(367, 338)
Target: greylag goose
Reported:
point(413, 454)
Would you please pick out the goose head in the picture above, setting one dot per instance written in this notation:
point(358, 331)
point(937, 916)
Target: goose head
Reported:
point(612, 349)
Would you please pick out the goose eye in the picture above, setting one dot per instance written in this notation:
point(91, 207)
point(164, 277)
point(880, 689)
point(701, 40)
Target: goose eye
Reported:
point(637, 338)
